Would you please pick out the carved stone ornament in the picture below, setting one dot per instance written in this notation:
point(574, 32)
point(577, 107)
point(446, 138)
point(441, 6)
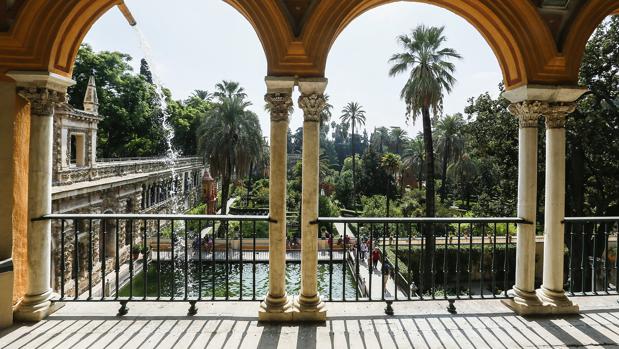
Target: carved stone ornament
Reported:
point(279, 105)
point(528, 112)
point(312, 105)
point(42, 100)
point(556, 115)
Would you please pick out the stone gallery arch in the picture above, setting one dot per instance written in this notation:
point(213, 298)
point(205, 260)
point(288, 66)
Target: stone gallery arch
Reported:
point(539, 45)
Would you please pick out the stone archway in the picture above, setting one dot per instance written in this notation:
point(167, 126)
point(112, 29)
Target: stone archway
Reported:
point(46, 35)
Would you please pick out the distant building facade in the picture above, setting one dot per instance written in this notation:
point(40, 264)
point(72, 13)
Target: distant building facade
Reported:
point(81, 184)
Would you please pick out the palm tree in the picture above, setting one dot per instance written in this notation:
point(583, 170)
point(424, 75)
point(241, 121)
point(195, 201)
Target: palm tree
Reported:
point(353, 114)
point(378, 138)
point(391, 163)
point(229, 89)
point(202, 94)
point(230, 138)
point(398, 136)
point(414, 157)
point(430, 75)
point(450, 145)
point(325, 115)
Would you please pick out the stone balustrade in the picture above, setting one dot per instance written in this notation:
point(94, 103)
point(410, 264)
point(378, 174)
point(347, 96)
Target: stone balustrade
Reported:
point(109, 169)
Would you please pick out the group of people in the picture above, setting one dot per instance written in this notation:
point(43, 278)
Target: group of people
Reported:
point(326, 235)
point(373, 256)
point(205, 244)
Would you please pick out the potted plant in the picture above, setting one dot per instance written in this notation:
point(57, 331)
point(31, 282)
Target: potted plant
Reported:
point(135, 251)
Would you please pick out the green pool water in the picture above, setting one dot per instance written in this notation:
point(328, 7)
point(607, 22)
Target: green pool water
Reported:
point(172, 281)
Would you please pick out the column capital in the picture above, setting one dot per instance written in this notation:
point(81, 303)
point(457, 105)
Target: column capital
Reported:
point(42, 100)
point(556, 114)
point(528, 112)
point(312, 105)
point(280, 84)
point(41, 79)
point(545, 93)
point(279, 105)
point(313, 85)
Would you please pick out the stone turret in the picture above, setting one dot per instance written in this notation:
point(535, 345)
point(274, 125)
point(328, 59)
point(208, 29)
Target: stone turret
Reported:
point(91, 101)
point(209, 188)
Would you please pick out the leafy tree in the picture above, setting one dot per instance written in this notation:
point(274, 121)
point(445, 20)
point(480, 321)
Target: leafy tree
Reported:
point(145, 71)
point(373, 174)
point(128, 102)
point(464, 174)
point(593, 150)
point(492, 137)
point(431, 74)
point(185, 117)
point(353, 114)
point(344, 188)
point(230, 138)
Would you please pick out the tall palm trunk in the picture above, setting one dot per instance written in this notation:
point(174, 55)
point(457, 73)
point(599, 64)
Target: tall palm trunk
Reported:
point(430, 205)
point(225, 188)
point(354, 179)
point(443, 190)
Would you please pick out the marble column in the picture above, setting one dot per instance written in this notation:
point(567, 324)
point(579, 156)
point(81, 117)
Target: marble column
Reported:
point(525, 300)
point(42, 90)
point(277, 306)
point(312, 101)
point(551, 291)
point(36, 304)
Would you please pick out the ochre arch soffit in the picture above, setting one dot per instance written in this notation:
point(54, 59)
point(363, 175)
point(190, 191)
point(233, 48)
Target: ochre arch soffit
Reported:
point(47, 35)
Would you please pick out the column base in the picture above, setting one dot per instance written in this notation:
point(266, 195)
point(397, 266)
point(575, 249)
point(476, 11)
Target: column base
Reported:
point(557, 302)
point(36, 308)
point(524, 302)
point(309, 309)
point(276, 309)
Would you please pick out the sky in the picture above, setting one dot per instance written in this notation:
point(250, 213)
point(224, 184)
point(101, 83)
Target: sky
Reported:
point(196, 45)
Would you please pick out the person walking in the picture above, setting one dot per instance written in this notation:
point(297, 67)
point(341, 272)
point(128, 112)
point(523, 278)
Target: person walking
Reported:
point(364, 250)
point(387, 272)
point(375, 257)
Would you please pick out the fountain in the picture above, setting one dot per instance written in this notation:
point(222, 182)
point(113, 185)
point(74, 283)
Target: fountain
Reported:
point(172, 155)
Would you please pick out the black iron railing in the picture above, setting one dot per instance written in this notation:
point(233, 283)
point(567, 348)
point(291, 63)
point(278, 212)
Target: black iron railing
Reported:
point(397, 259)
point(154, 257)
point(191, 258)
point(591, 256)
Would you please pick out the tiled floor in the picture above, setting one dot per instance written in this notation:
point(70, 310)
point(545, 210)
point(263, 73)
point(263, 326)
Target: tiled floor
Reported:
point(478, 324)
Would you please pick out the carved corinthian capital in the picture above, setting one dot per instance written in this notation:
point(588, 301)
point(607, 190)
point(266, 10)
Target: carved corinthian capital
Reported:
point(312, 105)
point(557, 113)
point(279, 105)
point(528, 112)
point(42, 100)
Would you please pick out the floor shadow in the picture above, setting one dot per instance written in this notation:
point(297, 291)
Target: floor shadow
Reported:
point(270, 337)
point(307, 337)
